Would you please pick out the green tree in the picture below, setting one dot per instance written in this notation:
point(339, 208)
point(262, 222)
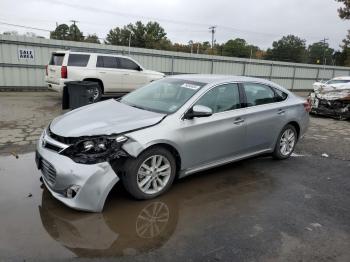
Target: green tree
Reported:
point(289, 48)
point(239, 48)
point(151, 35)
point(118, 36)
point(346, 49)
point(344, 12)
point(154, 33)
point(61, 32)
point(75, 34)
point(317, 51)
point(92, 39)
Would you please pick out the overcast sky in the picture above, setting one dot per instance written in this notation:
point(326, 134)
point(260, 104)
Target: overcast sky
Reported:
point(260, 22)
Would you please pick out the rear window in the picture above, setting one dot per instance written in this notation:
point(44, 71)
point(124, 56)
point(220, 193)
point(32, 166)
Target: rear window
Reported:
point(280, 95)
point(57, 59)
point(78, 60)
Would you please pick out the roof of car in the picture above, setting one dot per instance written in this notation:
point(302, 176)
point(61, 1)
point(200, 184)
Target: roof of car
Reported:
point(211, 79)
point(88, 53)
point(342, 78)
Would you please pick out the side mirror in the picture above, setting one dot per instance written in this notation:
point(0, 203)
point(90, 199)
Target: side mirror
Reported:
point(139, 68)
point(198, 111)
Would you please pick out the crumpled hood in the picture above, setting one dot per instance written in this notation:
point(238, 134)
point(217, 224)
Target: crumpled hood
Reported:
point(103, 118)
point(338, 94)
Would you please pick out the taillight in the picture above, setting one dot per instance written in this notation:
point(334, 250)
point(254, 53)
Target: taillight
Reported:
point(307, 105)
point(64, 72)
point(46, 68)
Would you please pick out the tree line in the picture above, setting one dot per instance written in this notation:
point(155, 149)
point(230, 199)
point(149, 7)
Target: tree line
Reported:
point(289, 48)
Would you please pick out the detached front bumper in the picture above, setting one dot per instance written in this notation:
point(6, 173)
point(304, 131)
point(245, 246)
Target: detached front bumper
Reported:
point(60, 173)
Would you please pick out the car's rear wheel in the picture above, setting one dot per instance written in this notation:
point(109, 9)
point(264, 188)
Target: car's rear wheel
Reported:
point(97, 93)
point(286, 142)
point(150, 174)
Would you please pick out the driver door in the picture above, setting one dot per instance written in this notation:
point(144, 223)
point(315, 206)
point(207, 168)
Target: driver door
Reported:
point(217, 137)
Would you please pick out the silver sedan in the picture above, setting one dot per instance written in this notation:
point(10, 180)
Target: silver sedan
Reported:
point(167, 129)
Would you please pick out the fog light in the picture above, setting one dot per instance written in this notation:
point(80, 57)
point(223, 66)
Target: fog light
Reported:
point(72, 191)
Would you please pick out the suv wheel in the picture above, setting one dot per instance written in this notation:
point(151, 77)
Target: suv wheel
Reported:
point(97, 93)
point(150, 174)
point(286, 142)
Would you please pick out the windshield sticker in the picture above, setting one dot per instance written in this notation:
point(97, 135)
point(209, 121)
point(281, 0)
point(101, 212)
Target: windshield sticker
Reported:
point(190, 86)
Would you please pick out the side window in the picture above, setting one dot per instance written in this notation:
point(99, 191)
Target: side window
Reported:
point(128, 64)
point(107, 62)
point(78, 60)
point(280, 95)
point(258, 94)
point(221, 98)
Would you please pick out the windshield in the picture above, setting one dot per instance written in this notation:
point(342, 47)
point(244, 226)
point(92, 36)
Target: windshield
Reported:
point(164, 96)
point(330, 82)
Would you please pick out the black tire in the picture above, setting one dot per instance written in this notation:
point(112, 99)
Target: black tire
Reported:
point(277, 151)
point(98, 94)
point(132, 165)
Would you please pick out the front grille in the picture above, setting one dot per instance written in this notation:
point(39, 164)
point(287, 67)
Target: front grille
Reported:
point(48, 171)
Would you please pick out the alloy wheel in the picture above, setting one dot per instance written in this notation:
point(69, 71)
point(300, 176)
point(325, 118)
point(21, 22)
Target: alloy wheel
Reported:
point(154, 174)
point(287, 142)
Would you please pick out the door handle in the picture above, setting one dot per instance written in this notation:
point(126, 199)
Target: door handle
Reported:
point(238, 121)
point(281, 111)
point(102, 72)
point(126, 74)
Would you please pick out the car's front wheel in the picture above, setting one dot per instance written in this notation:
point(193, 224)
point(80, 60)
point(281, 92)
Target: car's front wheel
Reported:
point(286, 142)
point(150, 174)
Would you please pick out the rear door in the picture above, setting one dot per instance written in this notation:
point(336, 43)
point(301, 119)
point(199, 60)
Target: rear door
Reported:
point(133, 76)
point(77, 66)
point(265, 116)
point(54, 67)
point(107, 69)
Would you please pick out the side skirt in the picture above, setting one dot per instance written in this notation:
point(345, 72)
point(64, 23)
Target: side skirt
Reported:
point(220, 162)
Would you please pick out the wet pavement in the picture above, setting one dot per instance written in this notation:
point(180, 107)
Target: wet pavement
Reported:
point(255, 210)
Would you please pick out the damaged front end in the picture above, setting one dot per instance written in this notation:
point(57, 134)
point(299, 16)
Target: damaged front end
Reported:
point(332, 102)
point(92, 150)
point(80, 171)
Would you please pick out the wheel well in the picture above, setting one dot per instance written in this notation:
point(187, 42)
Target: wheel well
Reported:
point(296, 126)
point(173, 151)
point(98, 81)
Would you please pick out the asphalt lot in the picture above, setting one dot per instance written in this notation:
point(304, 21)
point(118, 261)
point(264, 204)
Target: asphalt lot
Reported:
point(255, 210)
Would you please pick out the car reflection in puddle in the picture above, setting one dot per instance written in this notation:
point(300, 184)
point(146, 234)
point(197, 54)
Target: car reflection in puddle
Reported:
point(125, 228)
point(130, 227)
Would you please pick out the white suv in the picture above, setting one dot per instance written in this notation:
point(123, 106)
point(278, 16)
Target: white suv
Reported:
point(114, 74)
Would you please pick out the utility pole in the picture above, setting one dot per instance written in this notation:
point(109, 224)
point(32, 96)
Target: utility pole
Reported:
point(324, 53)
point(75, 29)
point(212, 30)
point(191, 45)
point(129, 42)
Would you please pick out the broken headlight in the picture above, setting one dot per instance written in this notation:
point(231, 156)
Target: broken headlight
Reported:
point(97, 149)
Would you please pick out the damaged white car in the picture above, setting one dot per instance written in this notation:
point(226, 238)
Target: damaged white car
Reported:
point(332, 98)
point(169, 128)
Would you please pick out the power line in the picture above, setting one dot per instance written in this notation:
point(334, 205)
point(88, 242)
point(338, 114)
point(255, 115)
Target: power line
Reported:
point(26, 27)
point(128, 15)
